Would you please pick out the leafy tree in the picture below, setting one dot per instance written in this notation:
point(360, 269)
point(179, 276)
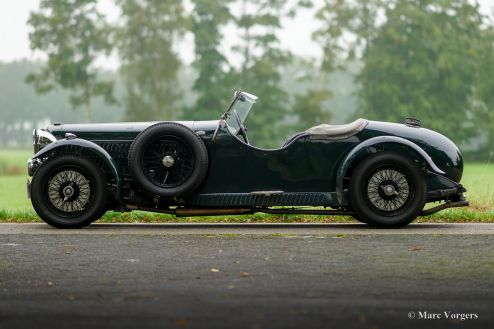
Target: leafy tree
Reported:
point(73, 34)
point(424, 62)
point(340, 19)
point(150, 64)
point(23, 109)
point(484, 96)
point(259, 68)
point(309, 106)
point(309, 109)
point(346, 29)
point(337, 20)
point(312, 96)
point(211, 86)
point(422, 58)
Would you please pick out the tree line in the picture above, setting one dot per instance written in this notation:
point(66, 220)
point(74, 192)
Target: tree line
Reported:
point(22, 109)
point(419, 58)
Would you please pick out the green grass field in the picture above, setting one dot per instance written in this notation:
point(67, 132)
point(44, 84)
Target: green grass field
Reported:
point(13, 162)
point(16, 207)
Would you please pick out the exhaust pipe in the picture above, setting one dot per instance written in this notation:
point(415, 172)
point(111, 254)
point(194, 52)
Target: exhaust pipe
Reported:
point(211, 212)
point(191, 212)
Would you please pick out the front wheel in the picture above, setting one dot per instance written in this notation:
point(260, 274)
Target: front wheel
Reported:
point(69, 191)
point(388, 190)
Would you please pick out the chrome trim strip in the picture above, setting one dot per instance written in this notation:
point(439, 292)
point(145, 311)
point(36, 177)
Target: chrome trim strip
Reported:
point(44, 133)
point(38, 136)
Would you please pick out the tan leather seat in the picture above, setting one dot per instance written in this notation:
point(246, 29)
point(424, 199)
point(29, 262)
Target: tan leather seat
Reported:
point(338, 131)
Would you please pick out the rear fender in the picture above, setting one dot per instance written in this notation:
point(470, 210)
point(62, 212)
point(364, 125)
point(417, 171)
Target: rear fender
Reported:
point(78, 146)
point(375, 145)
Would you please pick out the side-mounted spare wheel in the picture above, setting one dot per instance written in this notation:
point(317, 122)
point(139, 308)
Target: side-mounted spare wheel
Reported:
point(69, 191)
point(387, 190)
point(168, 159)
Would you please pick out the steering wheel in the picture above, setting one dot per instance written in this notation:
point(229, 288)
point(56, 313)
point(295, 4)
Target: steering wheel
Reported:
point(243, 129)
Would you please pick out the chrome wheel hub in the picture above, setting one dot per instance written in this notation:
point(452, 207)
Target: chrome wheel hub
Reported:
point(388, 190)
point(168, 161)
point(69, 191)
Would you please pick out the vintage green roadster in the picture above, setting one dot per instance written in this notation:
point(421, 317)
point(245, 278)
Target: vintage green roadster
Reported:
point(380, 173)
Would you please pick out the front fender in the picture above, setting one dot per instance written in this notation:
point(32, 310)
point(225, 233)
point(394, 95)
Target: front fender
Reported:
point(374, 145)
point(76, 146)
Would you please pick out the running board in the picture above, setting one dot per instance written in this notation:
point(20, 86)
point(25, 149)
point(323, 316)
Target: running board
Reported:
point(265, 199)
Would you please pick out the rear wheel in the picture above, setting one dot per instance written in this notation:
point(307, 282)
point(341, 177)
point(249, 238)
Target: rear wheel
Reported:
point(387, 190)
point(360, 219)
point(69, 192)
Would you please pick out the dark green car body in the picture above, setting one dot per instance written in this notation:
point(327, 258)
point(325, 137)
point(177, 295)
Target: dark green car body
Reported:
point(309, 170)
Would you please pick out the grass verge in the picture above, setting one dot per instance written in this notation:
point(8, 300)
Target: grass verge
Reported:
point(459, 215)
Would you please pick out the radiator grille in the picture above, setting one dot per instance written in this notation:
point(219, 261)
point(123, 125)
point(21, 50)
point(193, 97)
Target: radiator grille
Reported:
point(119, 151)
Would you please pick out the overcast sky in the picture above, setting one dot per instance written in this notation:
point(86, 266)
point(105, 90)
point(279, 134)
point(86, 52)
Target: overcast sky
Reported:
point(14, 43)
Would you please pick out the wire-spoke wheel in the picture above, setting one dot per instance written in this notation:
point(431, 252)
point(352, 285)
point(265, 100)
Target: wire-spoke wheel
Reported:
point(168, 159)
point(69, 191)
point(388, 190)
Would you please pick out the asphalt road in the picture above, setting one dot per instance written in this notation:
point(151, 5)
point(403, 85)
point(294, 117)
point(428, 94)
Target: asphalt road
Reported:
point(246, 276)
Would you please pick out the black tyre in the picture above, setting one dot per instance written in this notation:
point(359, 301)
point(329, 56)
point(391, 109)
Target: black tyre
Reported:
point(360, 219)
point(388, 190)
point(168, 159)
point(69, 191)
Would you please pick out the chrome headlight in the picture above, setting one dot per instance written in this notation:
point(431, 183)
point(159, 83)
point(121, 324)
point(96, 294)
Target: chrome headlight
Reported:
point(41, 138)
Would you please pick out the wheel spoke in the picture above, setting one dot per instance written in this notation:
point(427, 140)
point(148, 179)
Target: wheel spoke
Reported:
point(69, 191)
point(388, 190)
point(179, 158)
